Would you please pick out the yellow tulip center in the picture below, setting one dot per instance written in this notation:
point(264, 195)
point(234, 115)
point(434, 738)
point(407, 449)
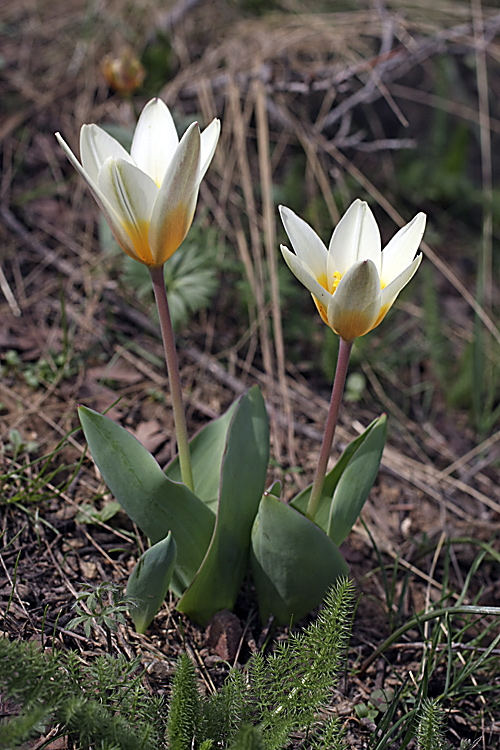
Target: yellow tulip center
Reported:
point(331, 288)
point(323, 280)
point(336, 280)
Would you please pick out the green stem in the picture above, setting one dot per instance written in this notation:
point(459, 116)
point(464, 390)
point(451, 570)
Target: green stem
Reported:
point(331, 423)
point(167, 333)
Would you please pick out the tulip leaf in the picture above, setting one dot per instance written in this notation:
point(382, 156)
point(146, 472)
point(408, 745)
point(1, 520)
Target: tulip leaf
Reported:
point(243, 475)
point(275, 489)
point(206, 449)
point(153, 501)
point(301, 500)
point(293, 562)
point(356, 482)
point(149, 581)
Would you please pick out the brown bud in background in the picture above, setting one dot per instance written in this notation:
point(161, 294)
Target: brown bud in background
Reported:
point(125, 73)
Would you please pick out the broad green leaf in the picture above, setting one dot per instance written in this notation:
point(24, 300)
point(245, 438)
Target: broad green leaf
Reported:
point(149, 581)
point(356, 482)
point(153, 501)
point(301, 500)
point(206, 449)
point(243, 476)
point(293, 562)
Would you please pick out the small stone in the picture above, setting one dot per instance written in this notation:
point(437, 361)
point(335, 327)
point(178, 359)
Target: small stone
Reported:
point(223, 635)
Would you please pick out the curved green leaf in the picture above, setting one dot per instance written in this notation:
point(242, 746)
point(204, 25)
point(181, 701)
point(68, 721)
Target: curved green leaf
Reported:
point(293, 562)
point(153, 501)
point(243, 476)
point(301, 500)
point(356, 482)
point(149, 581)
point(206, 449)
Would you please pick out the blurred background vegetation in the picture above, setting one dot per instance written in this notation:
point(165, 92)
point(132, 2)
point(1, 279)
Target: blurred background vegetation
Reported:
point(394, 102)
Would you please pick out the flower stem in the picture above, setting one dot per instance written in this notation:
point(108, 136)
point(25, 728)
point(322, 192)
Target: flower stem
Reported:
point(167, 333)
point(331, 423)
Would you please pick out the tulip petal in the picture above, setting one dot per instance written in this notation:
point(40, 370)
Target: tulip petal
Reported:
point(356, 237)
point(391, 291)
point(132, 195)
point(96, 146)
point(208, 144)
point(114, 220)
point(304, 275)
point(401, 250)
point(355, 305)
point(155, 140)
point(176, 201)
point(74, 161)
point(307, 245)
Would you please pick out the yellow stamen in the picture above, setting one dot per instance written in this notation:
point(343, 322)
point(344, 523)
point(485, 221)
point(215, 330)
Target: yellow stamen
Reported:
point(323, 280)
point(336, 280)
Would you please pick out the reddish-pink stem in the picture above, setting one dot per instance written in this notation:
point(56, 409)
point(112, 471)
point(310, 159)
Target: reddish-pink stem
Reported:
point(331, 423)
point(167, 333)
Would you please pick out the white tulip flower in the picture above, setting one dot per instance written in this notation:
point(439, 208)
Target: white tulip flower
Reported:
point(148, 197)
point(354, 282)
